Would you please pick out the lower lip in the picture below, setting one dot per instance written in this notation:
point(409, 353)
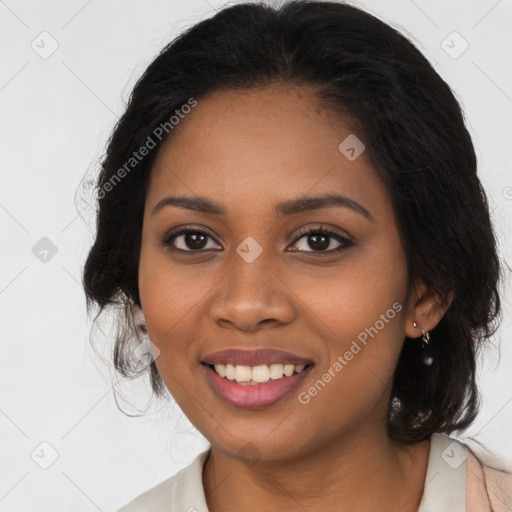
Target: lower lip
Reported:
point(253, 396)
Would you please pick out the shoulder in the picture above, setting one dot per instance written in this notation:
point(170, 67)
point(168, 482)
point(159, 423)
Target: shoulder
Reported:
point(182, 491)
point(488, 484)
point(499, 486)
point(156, 498)
point(459, 479)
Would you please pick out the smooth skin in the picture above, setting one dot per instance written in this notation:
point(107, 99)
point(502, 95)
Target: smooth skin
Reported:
point(247, 151)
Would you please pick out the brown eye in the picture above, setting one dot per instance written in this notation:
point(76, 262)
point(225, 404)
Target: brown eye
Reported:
point(188, 240)
point(195, 240)
point(320, 240)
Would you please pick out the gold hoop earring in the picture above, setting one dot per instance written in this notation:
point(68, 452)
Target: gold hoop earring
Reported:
point(425, 335)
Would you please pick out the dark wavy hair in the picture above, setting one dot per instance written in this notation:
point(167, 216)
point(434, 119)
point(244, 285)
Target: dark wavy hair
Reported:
point(415, 136)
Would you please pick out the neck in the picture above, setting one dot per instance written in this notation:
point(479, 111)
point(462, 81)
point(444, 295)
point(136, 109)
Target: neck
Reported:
point(360, 472)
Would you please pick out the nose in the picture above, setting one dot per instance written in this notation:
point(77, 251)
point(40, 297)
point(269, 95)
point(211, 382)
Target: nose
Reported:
point(252, 297)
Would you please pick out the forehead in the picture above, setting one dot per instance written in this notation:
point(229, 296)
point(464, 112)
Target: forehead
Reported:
point(258, 145)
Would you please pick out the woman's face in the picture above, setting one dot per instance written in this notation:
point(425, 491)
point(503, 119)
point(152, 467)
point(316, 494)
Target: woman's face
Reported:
point(334, 301)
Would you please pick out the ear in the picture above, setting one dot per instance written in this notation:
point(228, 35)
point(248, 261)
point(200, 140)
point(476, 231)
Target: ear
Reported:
point(139, 321)
point(426, 308)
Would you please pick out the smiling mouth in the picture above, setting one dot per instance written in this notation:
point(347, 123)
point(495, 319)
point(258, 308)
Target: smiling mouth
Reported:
point(258, 374)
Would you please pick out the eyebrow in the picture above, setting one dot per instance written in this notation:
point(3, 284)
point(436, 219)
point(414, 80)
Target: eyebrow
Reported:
point(290, 207)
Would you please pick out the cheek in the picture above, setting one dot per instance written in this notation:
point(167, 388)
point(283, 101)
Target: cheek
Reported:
point(358, 312)
point(168, 297)
point(345, 300)
point(168, 305)
point(168, 291)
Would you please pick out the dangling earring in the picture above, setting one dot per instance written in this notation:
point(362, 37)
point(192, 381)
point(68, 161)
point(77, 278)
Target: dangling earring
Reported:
point(425, 356)
point(425, 335)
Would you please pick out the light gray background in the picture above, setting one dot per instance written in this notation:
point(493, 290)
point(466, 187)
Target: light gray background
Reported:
point(56, 114)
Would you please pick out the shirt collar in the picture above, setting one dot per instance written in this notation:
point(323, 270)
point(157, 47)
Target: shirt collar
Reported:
point(444, 488)
point(445, 481)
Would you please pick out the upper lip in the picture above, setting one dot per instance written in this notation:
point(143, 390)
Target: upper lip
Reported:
point(254, 357)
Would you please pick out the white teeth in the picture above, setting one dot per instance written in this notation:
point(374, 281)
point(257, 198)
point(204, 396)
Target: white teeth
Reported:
point(276, 371)
point(288, 369)
point(257, 374)
point(242, 373)
point(221, 369)
point(261, 373)
point(230, 372)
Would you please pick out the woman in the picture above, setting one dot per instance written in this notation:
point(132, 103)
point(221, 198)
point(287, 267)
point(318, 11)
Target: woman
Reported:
point(290, 215)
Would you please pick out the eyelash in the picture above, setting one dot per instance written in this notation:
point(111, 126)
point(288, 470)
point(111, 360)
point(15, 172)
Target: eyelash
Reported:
point(345, 242)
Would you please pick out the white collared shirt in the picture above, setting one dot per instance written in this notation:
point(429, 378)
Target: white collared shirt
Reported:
point(455, 482)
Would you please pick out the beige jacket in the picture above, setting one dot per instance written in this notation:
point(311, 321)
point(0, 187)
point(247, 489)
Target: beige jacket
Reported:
point(455, 482)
